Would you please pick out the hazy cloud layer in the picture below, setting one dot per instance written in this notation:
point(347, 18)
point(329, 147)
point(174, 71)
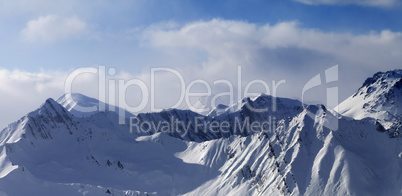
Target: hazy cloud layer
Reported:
point(279, 51)
point(211, 51)
point(24, 91)
point(53, 27)
point(242, 41)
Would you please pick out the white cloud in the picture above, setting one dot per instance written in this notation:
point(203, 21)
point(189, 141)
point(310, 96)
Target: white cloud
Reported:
point(243, 43)
point(374, 3)
point(272, 52)
point(22, 92)
point(212, 50)
point(52, 27)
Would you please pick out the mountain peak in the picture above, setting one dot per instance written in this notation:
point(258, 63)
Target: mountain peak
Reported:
point(51, 109)
point(80, 105)
point(50, 101)
point(380, 97)
point(67, 99)
point(384, 78)
point(383, 89)
point(50, 105)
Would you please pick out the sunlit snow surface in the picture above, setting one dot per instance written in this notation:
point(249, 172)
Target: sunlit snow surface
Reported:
point(52, 151)
point(379, 98)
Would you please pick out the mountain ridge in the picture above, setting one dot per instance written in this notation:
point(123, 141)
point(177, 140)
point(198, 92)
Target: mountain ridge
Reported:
point(380, 98)
point(301, 150)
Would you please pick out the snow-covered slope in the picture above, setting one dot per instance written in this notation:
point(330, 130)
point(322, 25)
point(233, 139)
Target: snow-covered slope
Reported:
point(380, 97)
point(303, 150)
point(303, 156)
point(55, 153)
point(196, 127)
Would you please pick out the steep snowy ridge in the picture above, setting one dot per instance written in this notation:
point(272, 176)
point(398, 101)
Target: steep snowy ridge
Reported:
point(380, 97)
point(196, 127)
point(301, 150)
point(52, 148)
point(304, 156)
point(50, 113)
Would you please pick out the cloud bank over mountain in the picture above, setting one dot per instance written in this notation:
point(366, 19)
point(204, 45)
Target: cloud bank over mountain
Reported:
point(212, 50)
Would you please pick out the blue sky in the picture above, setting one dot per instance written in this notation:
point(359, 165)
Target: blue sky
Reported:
point(113, 18)
point(43, 41)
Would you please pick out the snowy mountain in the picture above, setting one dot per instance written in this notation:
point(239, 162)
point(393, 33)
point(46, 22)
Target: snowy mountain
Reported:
point(380, 98)
point(282, 147)
point(304, 156)
point(196, 127)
